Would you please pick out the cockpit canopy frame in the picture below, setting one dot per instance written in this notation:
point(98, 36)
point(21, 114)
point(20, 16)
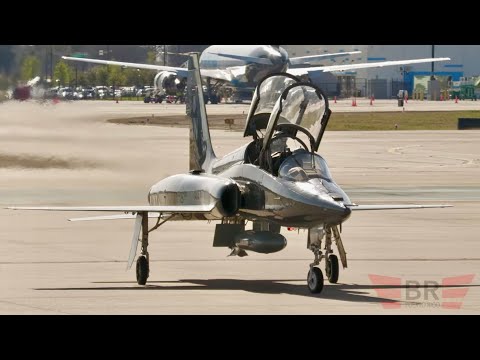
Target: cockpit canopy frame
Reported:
point(266, 94)
point(283, 104)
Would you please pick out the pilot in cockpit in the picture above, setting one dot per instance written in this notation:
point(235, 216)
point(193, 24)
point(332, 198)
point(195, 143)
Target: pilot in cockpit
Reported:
point(280, 154)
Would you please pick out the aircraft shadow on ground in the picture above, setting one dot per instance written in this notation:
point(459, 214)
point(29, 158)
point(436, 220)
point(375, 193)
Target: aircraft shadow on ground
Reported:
point(341, 292)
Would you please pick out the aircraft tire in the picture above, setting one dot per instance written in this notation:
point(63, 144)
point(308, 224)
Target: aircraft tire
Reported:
point(331, 269)
point(142, 270)
point(315, 280)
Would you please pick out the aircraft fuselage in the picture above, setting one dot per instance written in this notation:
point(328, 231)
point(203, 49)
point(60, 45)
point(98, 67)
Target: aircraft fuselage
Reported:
point(239, 189)
point(253, 72)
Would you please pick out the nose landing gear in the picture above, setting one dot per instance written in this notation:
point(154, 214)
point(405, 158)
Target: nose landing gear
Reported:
point(315, 275)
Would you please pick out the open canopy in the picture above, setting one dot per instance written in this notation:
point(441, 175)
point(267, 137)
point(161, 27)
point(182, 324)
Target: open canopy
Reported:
point(285, 107)
point(264, 99)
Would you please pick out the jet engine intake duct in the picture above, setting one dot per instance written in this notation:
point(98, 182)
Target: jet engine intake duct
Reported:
point(230, 200)
point(264, 242)
point(198, 189)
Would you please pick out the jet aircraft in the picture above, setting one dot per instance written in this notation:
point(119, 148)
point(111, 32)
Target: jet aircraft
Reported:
point(242, 66)
point(238, 66)
point(277, 179)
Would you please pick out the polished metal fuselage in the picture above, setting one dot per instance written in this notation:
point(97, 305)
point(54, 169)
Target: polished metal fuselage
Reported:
point(263, 195)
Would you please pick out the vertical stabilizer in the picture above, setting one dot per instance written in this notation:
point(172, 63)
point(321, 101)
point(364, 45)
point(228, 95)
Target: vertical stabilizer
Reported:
point(201, 150)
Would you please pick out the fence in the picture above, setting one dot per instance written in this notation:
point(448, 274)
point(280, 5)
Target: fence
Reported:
point(349, 86)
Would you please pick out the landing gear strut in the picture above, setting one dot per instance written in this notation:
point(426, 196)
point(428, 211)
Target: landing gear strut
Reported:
point(143, 266)
point(331, 260)
point(315, 275)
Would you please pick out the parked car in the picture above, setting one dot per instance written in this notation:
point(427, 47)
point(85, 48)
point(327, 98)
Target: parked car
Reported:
point(85, 94)
point(101, 92)
point(66, 93)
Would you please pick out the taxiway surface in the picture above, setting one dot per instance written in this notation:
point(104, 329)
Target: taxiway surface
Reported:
point(69, 155)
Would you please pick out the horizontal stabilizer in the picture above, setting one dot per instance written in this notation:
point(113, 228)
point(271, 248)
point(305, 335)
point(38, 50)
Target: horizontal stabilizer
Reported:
point(393, 207)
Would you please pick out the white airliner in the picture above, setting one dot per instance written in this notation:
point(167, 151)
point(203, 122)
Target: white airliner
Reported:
point(242, 66)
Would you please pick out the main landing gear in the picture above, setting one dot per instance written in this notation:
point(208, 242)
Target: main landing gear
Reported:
point(142, 270)
point(143, 264)
point(315, 275)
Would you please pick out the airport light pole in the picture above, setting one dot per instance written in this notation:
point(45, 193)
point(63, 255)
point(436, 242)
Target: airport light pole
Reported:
point(432, 77)
point(51, 64)
point(46, 64)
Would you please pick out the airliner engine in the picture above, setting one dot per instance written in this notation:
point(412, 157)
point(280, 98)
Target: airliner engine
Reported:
point(168, 83)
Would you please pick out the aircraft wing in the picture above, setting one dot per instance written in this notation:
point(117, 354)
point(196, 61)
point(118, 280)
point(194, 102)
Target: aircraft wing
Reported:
point(303, 60)
point(248, 59)
point(180, 71)
point(355, 207)
point(332, 68)
point(115, 217)
point(125, 209)
point(218, 74)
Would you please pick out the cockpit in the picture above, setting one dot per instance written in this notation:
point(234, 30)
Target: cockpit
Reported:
point(303, 166)
point(287, 117)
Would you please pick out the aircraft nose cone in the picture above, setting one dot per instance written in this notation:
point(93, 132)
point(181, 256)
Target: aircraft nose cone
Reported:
point(337, 211)
point(342, 210)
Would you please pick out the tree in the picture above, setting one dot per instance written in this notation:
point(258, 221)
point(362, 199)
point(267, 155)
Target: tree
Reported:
point(116, 76)
point(91, 76)
point(151, 57)
point(4, 83)
point(147, 77)
point(62, 72)
point(132, 77)
point(101, 75)
point(29, 68)
point(82, 79)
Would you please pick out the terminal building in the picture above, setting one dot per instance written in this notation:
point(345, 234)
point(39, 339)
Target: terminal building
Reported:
point(384, 83)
